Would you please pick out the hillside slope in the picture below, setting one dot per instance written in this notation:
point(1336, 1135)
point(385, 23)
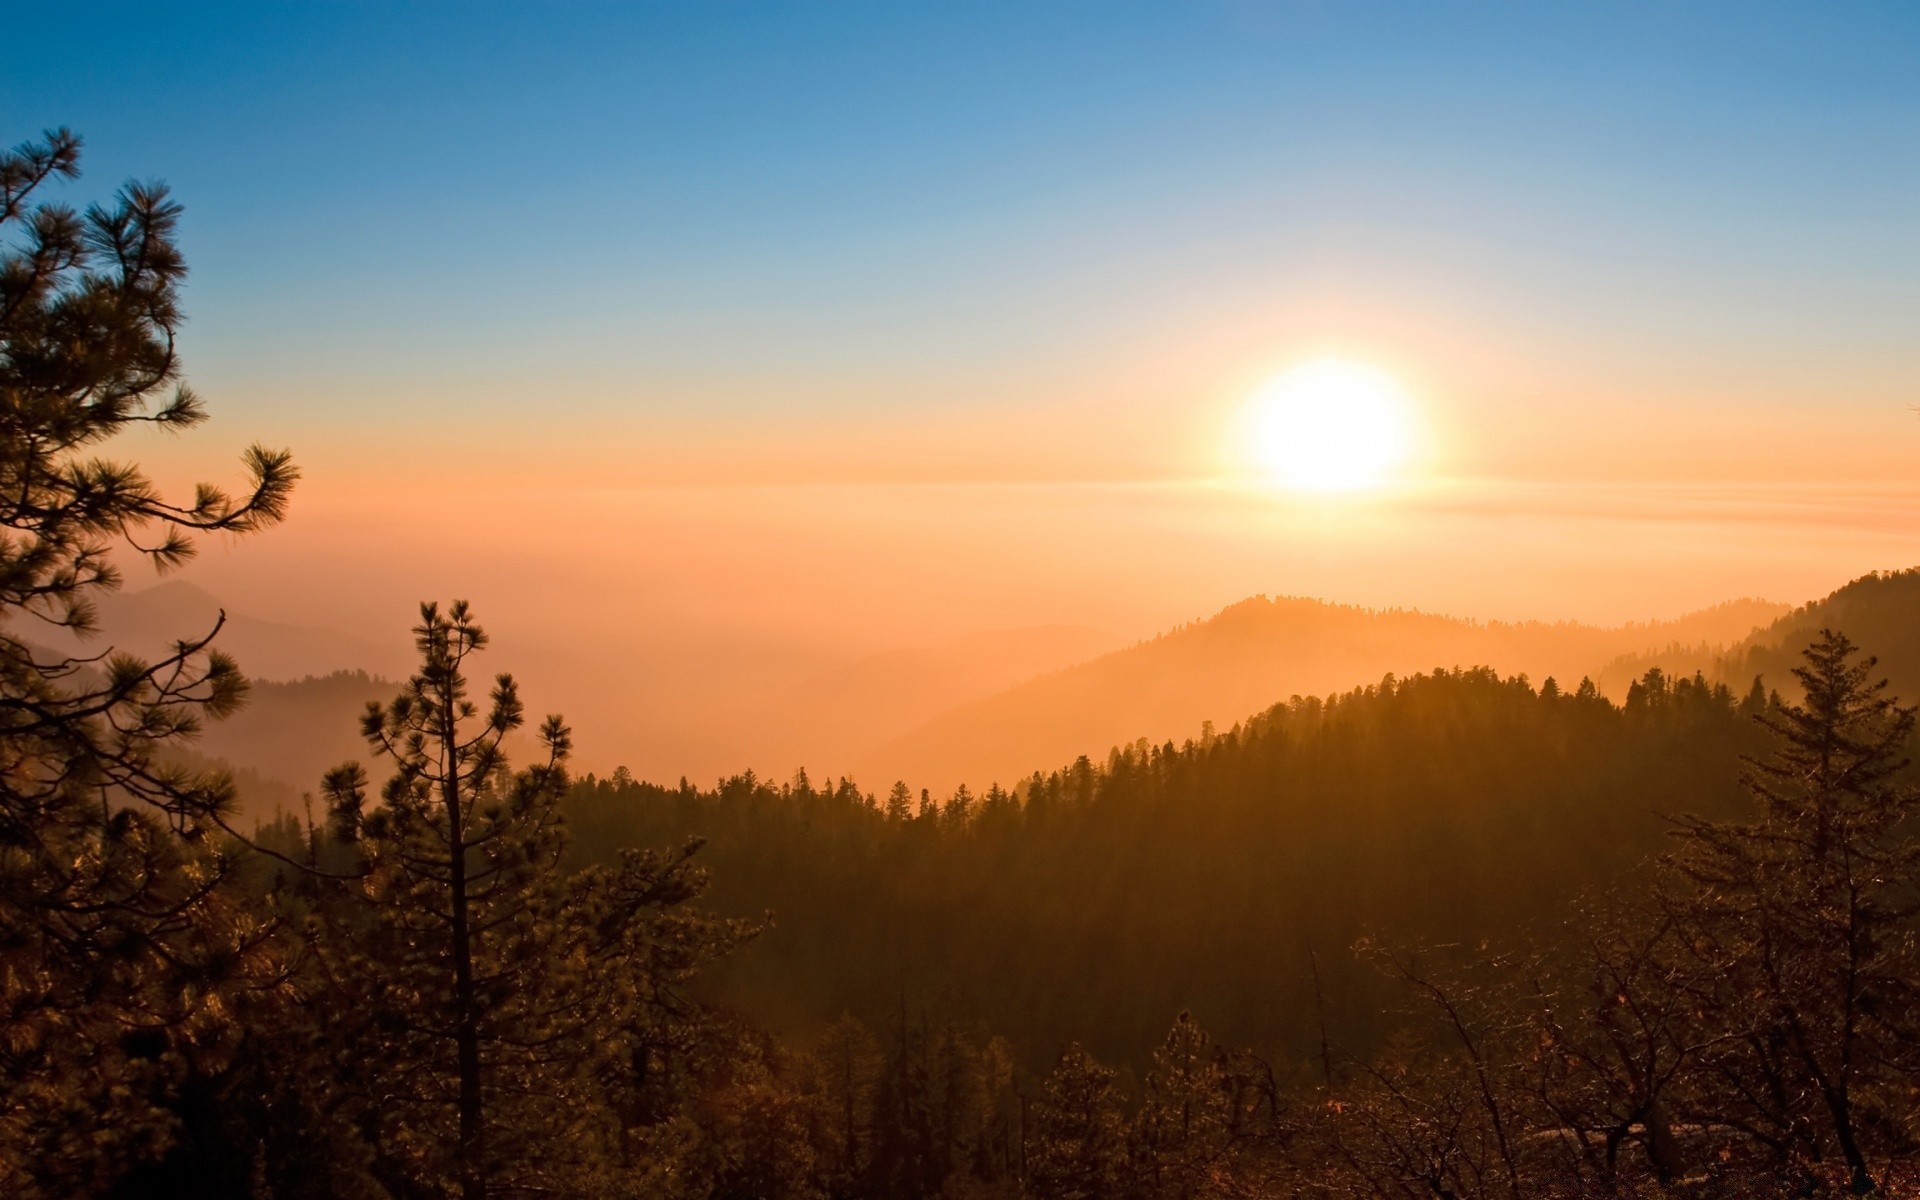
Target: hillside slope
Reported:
point(1880, 612)
point(148, 621)
point(1437, 808)
point(1245, 658)
point(289, 734)
point(825, 721)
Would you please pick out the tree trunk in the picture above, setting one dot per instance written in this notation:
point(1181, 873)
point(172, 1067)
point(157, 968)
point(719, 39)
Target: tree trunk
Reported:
point(1860, 1182)
point(466, 1031)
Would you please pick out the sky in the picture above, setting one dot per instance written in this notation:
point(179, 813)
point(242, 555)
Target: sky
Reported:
point(724, 342)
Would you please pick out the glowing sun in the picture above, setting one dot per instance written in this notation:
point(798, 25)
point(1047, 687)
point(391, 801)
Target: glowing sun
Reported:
point(1329, 425)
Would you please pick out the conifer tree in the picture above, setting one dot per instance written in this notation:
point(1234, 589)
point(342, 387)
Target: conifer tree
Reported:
point(994, 1153)
point(899, 802)
point(1185, 1126)
point(848, 1059)
point(494, 1002)
point(903, 1115)
point(1077, 1149)
point(1810, 908)
point(958, 1102)
point(754, 1129)
point(116, 936)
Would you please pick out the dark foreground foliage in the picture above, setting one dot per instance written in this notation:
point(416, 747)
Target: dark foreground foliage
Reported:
point(1733, 1019)
point(122, 949)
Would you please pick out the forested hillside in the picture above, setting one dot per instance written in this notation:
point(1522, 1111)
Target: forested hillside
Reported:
point(293, 732)
point(1244, 658)
point(1876, 610)
point(839, 715)
point(1093, 900)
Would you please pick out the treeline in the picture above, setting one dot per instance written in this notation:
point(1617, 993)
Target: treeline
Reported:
point(1090, 903)
point(1872, 609)
point(1243, 658)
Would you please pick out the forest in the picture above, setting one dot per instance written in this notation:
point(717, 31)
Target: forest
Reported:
point(1459, 934)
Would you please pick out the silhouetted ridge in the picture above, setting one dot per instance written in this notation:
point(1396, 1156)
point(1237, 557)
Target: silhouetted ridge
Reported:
point(1245, 657)
point(1877, 611)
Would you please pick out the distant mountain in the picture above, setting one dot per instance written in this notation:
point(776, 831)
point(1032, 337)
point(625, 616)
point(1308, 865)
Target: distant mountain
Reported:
point(1880, 612)
point(1244, 659)
point(309, 686)
point(290, 734)
point(146, 622)
point(825, 721)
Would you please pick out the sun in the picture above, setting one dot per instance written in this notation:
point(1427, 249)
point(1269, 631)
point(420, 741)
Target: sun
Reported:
point(1329, 425)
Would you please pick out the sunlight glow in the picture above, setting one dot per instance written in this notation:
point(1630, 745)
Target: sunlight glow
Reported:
point(1329, 425)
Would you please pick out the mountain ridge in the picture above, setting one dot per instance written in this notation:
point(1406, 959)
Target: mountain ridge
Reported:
point(1249, 655)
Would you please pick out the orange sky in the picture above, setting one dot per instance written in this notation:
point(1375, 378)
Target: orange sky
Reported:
point(653, 612)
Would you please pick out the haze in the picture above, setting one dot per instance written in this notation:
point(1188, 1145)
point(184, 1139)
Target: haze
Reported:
point(738, 352)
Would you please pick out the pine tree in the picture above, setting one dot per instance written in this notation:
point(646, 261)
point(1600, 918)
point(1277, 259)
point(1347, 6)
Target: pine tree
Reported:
point(899, 802)
point(849, 1060)
point(117, 937)
point(754, 1128)
point(1185, 1126)
point(959, 1103)
point(903, 1115)
point(1077, 1149)
point(495, 1005)
point(1810, 905)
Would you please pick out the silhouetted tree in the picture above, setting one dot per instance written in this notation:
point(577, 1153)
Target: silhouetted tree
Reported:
point(1808, 911)
point(116, 937)
point(903, 1130)
point(1077, 1147)
point(1743, 1027)
point(1186, 1126)
point(496, 1004)
point(849, 1061)
point(1615, 1040)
